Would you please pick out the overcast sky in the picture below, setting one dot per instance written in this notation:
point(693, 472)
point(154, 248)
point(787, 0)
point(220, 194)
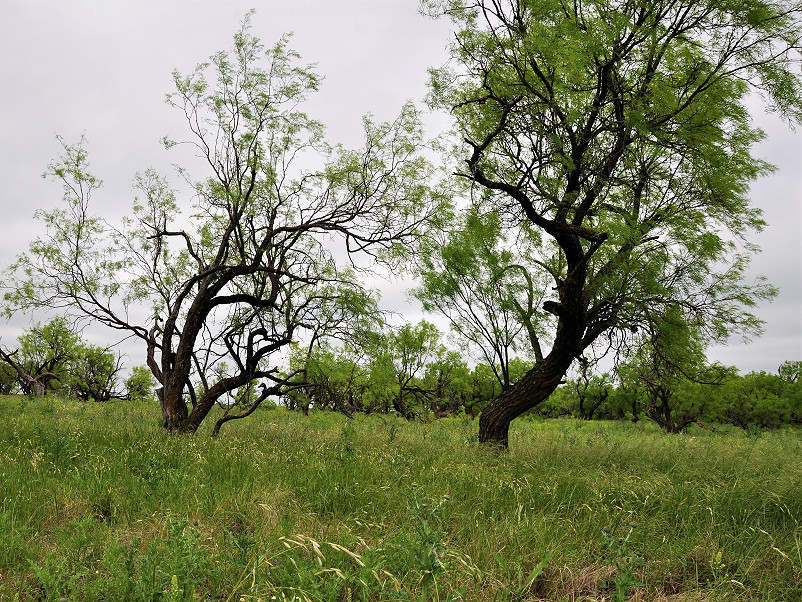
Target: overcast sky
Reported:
point(102, 68)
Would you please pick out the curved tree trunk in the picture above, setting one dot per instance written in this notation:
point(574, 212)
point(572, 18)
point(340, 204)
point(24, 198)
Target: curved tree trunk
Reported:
point(176, 365)
point(401, 407)
point(533, 389)
point(541, 381)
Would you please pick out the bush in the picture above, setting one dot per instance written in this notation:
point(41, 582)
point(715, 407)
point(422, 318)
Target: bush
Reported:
point(140, 385)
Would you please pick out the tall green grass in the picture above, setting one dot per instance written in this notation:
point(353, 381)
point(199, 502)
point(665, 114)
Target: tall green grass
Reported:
point(96, 503)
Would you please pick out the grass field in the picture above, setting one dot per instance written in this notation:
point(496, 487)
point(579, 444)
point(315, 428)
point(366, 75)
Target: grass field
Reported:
point(98, 504)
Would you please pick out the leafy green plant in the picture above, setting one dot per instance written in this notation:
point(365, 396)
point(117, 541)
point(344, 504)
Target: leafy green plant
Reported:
point(52, 577)
point(175, 593)
point(185, 558)
point(425, 551)
point(517, 581)
point(140, 384)
point(624, 559)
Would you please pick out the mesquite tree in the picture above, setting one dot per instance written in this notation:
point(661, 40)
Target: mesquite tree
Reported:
point(619, 130)
point(670, 367)
point(43, 357)
point(249, 265)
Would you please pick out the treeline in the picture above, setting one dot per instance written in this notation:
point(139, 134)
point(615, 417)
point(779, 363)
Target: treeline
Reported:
point(342, 381)
point(53, 357)
point(410, 372)
point(758, 400)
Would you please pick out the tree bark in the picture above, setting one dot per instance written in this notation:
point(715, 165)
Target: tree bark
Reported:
point(174, 410)
point(533, 389)
point(537, 384)
point(569, 339)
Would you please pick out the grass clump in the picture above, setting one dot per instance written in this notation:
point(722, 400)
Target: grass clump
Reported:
point(97, 503)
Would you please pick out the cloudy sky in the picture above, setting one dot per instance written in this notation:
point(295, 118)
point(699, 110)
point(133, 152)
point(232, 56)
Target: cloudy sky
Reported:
point(102, 68)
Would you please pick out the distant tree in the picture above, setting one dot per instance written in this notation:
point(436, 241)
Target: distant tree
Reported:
point(140, 384)
point(406, 371)
point(447, 376)
point(670, 365)
point(790, 371)
point(484, 387)
point(250, 266)
point(591, 390)
point(758, 400)
point(619, 132)
point(403, 357)
point(628, 395)
point(332, 380)
point(92, 374)
point(561, 403)
point(30, 385)
point(53, 356)
point(43, 356)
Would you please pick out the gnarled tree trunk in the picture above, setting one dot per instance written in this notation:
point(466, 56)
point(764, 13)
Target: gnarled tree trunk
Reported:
point(35, 385)
point(541, 381)
point(533, 389)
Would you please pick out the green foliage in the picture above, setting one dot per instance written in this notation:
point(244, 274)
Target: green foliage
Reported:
point(619, 133)
point(60, 358)
point(591, 390)
point(47, 347)
point(625, 560)
point(408, 372)
point(791, 371)
point(670, 366)
point(471, 275)
point(140, 384)
point(93, 374)
point(343, 380)
point(8, 378)
point(448, 379)
point(51, 347)
point(760, 400)
point(332, 379)
point(409, 350)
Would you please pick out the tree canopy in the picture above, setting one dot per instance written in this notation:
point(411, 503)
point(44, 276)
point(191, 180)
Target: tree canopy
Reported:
point(620, 131)
point(483, 283)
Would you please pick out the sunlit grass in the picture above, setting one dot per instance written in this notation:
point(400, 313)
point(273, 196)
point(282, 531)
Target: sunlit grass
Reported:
point(97, 503)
